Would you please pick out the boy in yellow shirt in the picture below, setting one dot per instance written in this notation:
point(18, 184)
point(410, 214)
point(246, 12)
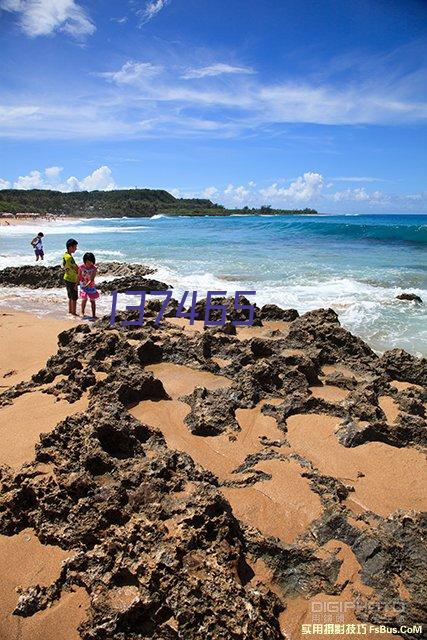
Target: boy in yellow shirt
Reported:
point(71, 275)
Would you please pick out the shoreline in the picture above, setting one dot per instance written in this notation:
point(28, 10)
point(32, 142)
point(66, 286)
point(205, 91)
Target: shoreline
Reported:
point(18, 222)
point(365, 300)
point(11, 221)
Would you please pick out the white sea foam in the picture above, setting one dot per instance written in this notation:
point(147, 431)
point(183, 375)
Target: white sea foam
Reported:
point(52, 229)
point(108, 252)
point(364, 298)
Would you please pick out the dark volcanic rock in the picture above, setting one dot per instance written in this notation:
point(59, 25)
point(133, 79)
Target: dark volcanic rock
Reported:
point(321, 329)
point(132, 283)
point(353, 435)
point(43, 277)
point(273, 312)
point(261, 348)
point(212, 412)
point(400, 365)
point(34, 276)
point(118, 496)
point(129, 385)
point(123, 269)
point(231, 313)
point(152, 539)
point(412, 297)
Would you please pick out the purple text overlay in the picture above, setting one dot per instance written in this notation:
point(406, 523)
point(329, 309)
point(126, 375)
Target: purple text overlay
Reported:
point(246, 311)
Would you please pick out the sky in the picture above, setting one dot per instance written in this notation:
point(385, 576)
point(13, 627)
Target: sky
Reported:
point(288, 103)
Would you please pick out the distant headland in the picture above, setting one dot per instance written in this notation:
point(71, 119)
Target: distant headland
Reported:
point(132, 203)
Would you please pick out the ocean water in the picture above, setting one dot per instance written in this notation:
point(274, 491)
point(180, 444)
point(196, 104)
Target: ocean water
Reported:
point(356, 264)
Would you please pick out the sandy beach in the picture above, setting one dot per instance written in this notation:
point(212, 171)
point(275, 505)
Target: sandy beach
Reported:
point(278, 461)
point(32, 221)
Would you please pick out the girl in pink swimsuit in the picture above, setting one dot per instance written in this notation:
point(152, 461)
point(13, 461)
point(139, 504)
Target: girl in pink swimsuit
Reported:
point(87, 274)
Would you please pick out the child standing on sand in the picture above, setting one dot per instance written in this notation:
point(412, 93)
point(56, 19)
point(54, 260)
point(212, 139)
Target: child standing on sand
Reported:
point(87, 274)
point(71, 275)
point(37, 244)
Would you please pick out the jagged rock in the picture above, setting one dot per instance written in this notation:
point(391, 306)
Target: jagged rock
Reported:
point(320, 329)
point(338, 380)
point(412, 297)
point(212, 412)
point(132, 283)
point(154, 542)
point(138, 536)
point(148, 352)
point(400, 365)
point(44, 277)
point(260, 348)
point(226, 329)
point(231, 313)
point(153, 306)
point(351, 434)
point(273, 312)
point(115, 268)
point(412, 401)
point(128, 385)
point(362, 404)
point(34, 276)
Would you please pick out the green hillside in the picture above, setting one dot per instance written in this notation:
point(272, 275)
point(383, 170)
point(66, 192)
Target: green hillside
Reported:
point(122, 202)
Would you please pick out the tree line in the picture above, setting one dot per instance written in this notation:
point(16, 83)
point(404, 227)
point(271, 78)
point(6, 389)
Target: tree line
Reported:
point(120, 202)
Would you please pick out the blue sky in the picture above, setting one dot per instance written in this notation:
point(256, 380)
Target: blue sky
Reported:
point(292, 103)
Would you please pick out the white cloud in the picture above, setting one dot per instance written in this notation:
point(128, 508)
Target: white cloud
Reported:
point(44, 17)
point(216, 69)
point(361, 195)
point(151, 9)
point(323, 104)
point(153, 101)
point(101, 179)
point(306, 191)
point(53, 172)
point(303, 189)
point(131, 72)
point(356, 179)
point(11, 114)
point(209, 192)
point(236, 195)
point(33, 180)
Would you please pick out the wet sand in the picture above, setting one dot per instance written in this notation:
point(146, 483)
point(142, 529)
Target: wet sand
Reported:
point(24, 562)
point(330, 393)
point(282, 506)
point(22, 422)
point(313, 436)
point(390, 408)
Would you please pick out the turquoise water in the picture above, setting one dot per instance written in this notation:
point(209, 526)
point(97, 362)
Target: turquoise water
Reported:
point(354, 264)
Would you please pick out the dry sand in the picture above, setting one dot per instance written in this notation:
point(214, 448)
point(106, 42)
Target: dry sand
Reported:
point(26, 343)
point(36, 221)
